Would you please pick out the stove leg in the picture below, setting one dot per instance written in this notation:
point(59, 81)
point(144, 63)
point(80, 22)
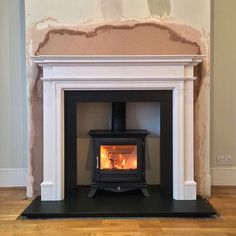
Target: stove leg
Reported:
point(92, 192)
point(145, 192)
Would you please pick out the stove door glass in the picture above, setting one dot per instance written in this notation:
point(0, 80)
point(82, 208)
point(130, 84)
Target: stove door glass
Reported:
point(118, 157)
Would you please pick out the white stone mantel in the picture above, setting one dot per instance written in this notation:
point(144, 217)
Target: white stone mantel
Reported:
point(141, 72)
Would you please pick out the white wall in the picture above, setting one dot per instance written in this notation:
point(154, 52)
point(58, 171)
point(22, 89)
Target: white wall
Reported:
point(13, 134)
point(223, 125)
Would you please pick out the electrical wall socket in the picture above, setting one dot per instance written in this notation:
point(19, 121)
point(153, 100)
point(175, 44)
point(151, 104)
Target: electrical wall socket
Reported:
point(224, 160)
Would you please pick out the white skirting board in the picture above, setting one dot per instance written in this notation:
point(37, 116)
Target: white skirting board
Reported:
point(223, 176)
point(13, 177)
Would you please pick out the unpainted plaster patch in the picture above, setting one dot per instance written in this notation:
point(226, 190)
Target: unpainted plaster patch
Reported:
point(45, 23)
point(127, 37)
point(36, 133)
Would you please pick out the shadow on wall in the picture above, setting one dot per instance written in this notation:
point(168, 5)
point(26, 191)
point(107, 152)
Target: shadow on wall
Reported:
point(111, 9)
point(159, 7)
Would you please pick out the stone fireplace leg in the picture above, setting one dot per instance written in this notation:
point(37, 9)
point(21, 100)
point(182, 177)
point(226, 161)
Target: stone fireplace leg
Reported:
point(184, 186)
point(52, 187)
point(190, 185)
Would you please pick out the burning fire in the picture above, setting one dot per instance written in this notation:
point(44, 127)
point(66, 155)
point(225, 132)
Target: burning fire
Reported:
point(122, 157)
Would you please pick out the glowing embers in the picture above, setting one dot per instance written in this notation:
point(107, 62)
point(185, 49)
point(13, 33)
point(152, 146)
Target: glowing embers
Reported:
point(120, 157)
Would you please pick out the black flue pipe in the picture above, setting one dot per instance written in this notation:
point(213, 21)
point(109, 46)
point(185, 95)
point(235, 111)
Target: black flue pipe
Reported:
point(118, 118)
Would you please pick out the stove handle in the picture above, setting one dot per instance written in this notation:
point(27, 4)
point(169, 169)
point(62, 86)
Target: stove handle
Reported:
point(97, 161)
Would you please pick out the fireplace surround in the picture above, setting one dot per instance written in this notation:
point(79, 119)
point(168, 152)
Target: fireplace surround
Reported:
point(118, 73)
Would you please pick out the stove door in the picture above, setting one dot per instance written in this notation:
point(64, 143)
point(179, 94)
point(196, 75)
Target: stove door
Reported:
point(119, 160)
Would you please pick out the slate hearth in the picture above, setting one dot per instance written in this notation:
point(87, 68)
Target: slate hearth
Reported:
point(126, 204)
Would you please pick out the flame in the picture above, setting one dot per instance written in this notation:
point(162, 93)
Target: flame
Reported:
point(121, 157)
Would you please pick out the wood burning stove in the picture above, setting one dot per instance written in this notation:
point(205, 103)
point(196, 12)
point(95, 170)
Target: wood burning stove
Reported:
point(118, 156)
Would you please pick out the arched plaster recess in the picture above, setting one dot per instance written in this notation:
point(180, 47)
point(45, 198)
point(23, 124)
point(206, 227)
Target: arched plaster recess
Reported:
point(128, 38)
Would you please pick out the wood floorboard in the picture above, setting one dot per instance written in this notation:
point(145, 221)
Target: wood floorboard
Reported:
point(13, 202)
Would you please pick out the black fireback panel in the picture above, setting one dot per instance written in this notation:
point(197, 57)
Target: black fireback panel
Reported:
point(73, 97)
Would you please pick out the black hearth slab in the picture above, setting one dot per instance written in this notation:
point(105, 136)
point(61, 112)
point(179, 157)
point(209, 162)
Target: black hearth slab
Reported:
point(127, 204)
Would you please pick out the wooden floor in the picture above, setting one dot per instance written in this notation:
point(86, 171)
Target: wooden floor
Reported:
point(12, 202)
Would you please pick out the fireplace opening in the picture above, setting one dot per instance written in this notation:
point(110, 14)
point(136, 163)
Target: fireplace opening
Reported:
point(129, 139)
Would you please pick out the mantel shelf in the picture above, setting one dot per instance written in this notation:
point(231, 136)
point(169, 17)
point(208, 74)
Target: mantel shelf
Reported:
point(54, 60)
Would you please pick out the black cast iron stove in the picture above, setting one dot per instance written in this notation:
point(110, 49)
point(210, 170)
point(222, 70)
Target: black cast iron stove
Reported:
point(118, 156)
